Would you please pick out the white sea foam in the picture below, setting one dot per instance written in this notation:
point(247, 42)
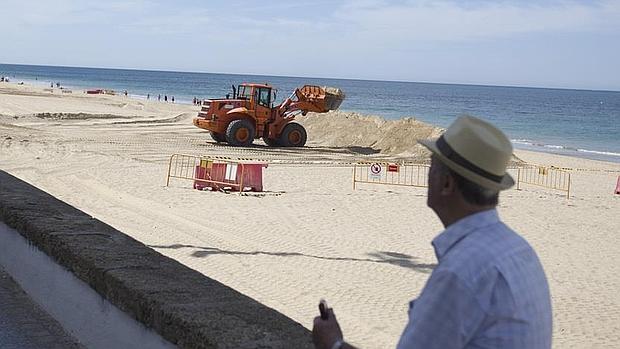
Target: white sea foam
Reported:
point(608, 153)
point(555, 146)
point(597, 154)
point(521, 141)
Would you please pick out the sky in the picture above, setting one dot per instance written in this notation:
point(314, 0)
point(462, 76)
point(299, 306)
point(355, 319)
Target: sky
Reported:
point(553, 43)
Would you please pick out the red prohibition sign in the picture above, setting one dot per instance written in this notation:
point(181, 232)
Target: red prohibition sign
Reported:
point(375, 169)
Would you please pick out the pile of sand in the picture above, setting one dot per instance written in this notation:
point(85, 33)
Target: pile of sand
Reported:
point(388, 137)
point(362, 133)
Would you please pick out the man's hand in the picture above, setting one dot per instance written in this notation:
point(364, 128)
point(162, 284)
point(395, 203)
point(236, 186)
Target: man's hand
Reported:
point(326, 332)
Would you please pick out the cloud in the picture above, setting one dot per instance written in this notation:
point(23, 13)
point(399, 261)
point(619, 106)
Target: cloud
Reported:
point(423, 39)
point(453, 21)
point(349, 21)
point(183, 22)
point(40, 13)
point(132, 17)
point(361, 25)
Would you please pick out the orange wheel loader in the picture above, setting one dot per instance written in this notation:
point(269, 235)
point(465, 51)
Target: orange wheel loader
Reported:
point(251, 113)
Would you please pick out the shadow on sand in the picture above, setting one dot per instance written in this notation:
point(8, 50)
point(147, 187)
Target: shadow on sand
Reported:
point(398, 259)
point(304, 150)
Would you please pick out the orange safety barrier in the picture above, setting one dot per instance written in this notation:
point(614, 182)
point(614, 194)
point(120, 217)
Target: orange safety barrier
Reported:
point(412, 175)
point(548, 177)
point(217, 173)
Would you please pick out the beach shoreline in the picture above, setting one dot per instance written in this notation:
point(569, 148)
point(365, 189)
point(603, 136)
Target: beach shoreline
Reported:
point(310, 235)
point(519, 145)
point(570, 122)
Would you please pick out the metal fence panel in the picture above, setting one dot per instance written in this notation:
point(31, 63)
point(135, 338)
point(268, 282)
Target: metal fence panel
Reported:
point(411, 175)
point(547, 177)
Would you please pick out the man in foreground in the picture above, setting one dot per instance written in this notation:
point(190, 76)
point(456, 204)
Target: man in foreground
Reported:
point(489, 289)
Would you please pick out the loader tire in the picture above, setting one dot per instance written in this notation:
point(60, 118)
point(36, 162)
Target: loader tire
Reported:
point(218, 137)
point(240, 133)
point(271, 142)
point(293, 135)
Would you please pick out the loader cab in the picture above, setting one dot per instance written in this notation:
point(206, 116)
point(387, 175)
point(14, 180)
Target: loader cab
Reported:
point(262, 95)
point(244, 92)
point(258, 100)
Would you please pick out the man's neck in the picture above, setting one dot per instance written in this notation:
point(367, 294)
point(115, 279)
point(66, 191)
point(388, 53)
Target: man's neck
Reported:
point(455, 214)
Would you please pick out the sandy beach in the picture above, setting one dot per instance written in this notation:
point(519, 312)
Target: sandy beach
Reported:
point(310, 236)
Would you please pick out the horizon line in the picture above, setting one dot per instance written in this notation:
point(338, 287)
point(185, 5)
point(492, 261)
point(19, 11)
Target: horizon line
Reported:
point(326, 78)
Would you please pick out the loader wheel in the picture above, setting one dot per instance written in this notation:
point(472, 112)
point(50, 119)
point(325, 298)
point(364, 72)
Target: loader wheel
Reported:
point(218, 137)
point(293, 135)
point(240, 133)
point(271, 142)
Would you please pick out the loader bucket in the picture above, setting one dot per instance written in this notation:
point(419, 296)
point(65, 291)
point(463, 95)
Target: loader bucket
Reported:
point(333, 97)
point(323, 98)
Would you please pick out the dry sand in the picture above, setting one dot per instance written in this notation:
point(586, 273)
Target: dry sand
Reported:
point(366, 251)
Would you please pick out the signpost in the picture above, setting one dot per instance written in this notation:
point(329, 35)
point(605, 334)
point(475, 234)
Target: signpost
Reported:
point(374, 171)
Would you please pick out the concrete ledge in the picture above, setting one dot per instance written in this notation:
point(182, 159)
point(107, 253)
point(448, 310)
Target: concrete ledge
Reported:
point(182, 305)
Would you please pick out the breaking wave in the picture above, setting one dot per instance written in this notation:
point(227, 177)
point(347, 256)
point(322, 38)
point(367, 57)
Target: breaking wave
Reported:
point(597, 154)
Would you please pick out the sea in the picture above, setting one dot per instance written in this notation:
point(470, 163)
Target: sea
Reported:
point(583, 123)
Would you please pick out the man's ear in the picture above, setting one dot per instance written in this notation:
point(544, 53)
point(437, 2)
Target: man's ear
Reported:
point(448, 185)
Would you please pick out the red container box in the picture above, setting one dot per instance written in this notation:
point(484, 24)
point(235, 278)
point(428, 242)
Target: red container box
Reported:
point(229, 175)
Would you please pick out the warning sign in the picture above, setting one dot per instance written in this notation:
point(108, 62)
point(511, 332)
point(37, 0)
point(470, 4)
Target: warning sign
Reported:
point(392, 168)
point(374, 171)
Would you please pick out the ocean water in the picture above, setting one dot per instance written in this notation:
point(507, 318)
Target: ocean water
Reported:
point(572, 122)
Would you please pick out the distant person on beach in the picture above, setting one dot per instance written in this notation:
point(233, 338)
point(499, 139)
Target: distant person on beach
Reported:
point(148, 96)
point(52, 85)
point(159, 98)
point(58, 84)
point(489, 289)
point(172, 99)
point(125, 93)
point(165, 98)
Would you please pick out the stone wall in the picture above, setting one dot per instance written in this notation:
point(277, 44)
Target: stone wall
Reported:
point(182, 305)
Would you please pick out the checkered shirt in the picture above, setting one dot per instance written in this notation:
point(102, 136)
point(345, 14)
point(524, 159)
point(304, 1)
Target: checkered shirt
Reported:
point(488, 290)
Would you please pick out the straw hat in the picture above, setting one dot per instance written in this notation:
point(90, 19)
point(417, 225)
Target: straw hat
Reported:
point(476, 150)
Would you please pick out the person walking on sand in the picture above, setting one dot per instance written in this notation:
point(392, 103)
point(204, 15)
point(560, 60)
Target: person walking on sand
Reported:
point(166, 98)
point(159, 97)
point(489, 289)
point(172, 99)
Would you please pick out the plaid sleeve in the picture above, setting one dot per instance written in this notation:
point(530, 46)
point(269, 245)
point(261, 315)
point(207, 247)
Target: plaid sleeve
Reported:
point(445, 316)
